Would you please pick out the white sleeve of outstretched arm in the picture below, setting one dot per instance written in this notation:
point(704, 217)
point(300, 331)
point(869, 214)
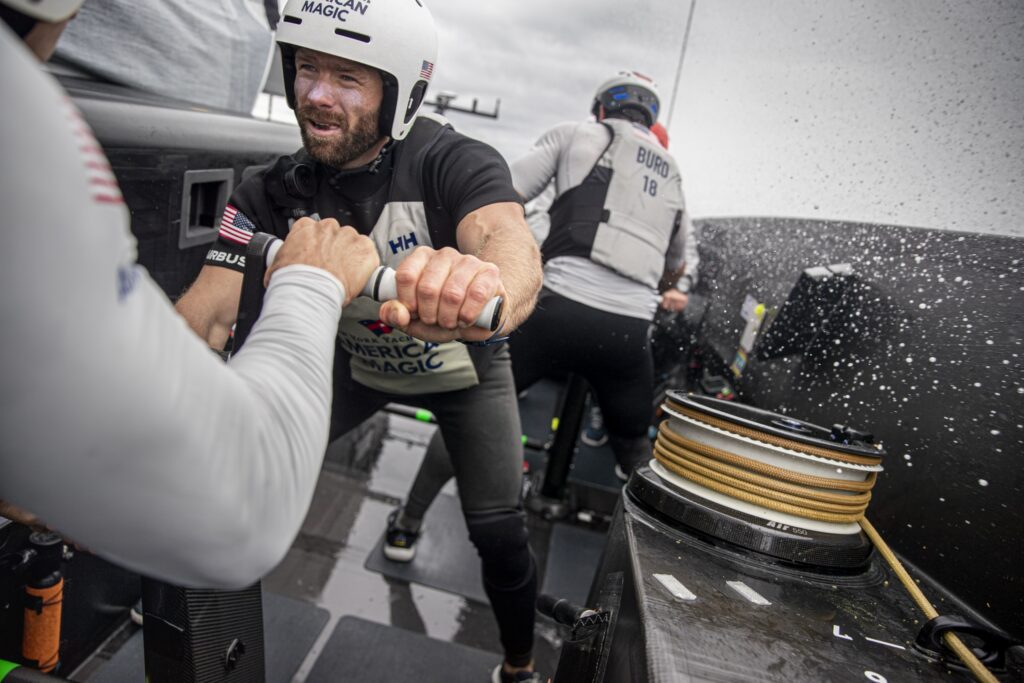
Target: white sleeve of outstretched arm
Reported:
point(120, 428)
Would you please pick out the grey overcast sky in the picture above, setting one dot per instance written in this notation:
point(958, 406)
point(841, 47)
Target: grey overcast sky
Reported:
point(895, 111)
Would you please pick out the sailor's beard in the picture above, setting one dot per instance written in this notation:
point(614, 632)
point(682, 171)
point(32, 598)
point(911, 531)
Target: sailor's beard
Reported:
point(339, 150)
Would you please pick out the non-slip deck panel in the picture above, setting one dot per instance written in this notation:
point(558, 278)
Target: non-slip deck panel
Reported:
point(445, 558)
point(369, 652)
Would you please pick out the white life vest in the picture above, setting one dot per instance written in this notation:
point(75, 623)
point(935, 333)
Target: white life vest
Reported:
point(625, 212)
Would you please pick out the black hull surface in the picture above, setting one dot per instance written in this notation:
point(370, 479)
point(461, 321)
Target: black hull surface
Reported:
point(747, 620)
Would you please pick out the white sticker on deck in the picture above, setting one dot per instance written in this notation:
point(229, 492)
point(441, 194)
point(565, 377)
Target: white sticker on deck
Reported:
point(882, 642)
point(672, 585)
point(748, 592)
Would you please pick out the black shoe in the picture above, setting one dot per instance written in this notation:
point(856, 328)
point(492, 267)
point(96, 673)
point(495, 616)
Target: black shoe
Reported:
point(499, 676)
point(399, 544)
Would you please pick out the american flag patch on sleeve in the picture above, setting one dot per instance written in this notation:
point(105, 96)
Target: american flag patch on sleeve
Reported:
point(235, 226)
point(427, 70)
point(103, 185)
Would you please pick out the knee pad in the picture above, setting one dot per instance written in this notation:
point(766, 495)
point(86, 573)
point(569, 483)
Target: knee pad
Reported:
point(501, 540)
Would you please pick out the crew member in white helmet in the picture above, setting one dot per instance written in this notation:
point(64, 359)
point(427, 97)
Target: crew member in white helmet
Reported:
point(442, 210)
point(120, 427)
point(618, 227)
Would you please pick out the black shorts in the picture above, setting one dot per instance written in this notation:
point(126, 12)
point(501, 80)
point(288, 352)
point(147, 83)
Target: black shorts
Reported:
point(612, 352)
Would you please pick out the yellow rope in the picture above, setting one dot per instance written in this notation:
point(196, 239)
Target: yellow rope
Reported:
point(776, 473)
point(955, 644)
point(709, 466)
point(742, 491)
point(759, 484)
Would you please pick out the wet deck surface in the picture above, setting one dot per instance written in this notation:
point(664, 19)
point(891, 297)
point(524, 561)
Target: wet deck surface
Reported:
point(363, 479)
point(366, 475)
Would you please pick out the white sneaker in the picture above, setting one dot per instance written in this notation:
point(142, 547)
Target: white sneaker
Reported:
point(399, 544)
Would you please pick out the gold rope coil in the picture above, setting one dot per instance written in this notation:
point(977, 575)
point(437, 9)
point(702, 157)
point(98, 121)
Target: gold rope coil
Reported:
point(812, 497)
point(776, 440)
point(776, 473)
point(711, 468)
point(824, 499)
point(742, 491)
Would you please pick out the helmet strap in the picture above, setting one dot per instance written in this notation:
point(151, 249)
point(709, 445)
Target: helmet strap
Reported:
point(288, 73)
point(20, 23)
point(388, 105)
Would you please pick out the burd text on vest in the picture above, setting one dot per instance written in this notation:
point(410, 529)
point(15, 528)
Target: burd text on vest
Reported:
point(648, 158)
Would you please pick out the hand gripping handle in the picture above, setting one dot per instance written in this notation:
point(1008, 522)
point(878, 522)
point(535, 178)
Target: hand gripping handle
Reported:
point(381, 287)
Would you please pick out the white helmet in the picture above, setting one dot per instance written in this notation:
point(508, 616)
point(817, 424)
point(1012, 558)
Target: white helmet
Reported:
point(397, 37)
point(632, 94)
point(52, 11)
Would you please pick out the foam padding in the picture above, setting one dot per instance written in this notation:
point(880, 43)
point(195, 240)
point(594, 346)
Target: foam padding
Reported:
point(445, 557)
point(369, 652)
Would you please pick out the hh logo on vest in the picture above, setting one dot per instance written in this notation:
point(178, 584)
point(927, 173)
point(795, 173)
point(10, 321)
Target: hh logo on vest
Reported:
point(378, 327)
point(403, 242)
